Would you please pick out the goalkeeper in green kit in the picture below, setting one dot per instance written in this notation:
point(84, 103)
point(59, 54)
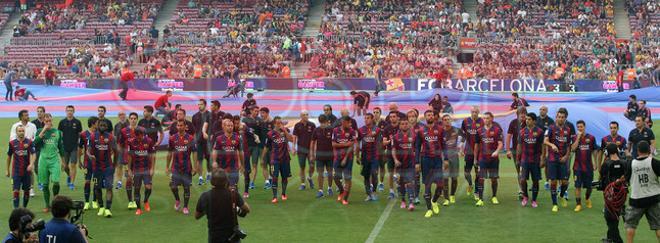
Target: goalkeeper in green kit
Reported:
point(49, 139)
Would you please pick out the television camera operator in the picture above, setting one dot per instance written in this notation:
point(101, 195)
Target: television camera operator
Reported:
point(60, 229)
point(222, 205)
point(21, 227)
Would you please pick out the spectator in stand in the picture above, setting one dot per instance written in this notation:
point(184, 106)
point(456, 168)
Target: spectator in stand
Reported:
point(633, 108)
point(162, 104)
point(49, 76)
point(436, 103)
point(22, 94)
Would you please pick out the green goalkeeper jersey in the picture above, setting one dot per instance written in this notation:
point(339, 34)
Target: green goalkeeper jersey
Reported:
point(51, 144)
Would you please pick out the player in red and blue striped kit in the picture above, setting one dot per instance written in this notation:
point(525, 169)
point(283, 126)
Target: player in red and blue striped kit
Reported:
point(344, 140)
point(615, 138)
point(101, 148)
point(470, 126)
point(432, 149)
point(487, 149)
point(404, 153)
point(92, 123)
point(227, 153)
point(22, 150)
point(369, 137)
point(530, 154)
point(243, 133)
point(181, 148)
point(277, 144)
point(558, 138)
point(585, 148)
point(140, 165)
point(126, 137)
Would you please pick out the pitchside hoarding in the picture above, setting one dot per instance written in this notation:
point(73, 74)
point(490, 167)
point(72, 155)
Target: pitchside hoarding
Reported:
point(221, 84)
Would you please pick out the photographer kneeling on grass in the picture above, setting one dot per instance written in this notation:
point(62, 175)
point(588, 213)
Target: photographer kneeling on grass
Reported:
point(221, 206)
point(59, 229)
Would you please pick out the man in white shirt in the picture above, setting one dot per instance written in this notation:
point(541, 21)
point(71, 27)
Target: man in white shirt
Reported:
point(30, 128)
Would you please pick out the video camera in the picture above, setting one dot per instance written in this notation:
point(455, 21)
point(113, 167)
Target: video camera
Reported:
point(26, 226)
point(76, 217)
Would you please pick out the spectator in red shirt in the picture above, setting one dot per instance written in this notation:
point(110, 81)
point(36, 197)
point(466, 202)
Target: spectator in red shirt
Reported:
point(126, 76)
point(162, 104)
point(22, 94)
point(50, 76)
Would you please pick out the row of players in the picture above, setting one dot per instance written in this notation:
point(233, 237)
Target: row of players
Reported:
point(405, 145)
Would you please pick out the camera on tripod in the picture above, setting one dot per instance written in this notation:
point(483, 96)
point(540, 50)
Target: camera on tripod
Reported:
point(76, 217)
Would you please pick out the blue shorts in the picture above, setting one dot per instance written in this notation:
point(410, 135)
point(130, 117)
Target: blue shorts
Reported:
point(343, 172)
point(105, 178)
point(21, 182)
point(142, 178)
point(303, 160)
point(320, 164)
point(282, 169)
point(557, 171)
point(583, 179)
point(406, 174)
point(530, 169)
point(233, 177)
point(369, 167)
point(180, 179)
point(489, 168)
point(431, 170)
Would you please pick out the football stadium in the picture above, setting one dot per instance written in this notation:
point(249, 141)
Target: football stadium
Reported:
point(330, 120)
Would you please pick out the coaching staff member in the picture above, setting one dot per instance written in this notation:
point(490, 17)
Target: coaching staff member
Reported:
point(220, 207)
point(644, 191)
point(59, 228)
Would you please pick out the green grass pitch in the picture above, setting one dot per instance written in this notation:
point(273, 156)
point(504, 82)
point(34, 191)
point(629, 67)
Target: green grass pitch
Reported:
point(303, 218)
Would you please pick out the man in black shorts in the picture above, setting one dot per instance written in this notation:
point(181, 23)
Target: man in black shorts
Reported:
point(71, 129)
point(361, 101)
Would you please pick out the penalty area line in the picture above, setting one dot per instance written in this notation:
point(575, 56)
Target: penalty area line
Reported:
point(381, 221)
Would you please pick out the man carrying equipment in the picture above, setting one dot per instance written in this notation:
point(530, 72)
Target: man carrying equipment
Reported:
point(644, 186)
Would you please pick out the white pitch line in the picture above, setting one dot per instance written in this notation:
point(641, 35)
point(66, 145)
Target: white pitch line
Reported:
point(381, 222)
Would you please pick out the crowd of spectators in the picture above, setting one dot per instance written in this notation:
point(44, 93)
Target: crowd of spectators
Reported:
point(48, 18)
point(647, 16)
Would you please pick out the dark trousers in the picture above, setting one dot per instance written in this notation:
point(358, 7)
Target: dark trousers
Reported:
point(124, 90)
point(612, 226)
point(27, 95)
point(10, 91)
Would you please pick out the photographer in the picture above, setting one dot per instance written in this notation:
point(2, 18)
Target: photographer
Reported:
point(644, 191)
point(19, 219)
point(221, 207)
point(59, 228)
point(612, 183)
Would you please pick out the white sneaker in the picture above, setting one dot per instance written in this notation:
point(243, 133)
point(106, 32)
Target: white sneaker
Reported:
point(32, 192)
